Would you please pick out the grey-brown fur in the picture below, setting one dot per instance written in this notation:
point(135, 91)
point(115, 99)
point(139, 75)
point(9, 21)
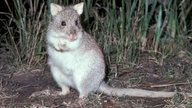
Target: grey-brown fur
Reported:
point(76, 60)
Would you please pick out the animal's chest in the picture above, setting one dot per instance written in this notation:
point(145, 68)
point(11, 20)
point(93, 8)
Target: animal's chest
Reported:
point(68, 62)
point(71, 61)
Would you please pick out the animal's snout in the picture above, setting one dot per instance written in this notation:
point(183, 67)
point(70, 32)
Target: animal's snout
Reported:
point(72, 34)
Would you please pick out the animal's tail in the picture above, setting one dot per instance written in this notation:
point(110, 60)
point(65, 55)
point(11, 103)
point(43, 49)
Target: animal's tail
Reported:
point(135, 92)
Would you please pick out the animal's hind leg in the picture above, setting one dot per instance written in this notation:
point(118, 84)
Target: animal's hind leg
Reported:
point(59, 78)
point(84, 91)
point(84, 88)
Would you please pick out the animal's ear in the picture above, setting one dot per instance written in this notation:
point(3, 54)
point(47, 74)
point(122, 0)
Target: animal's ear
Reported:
point(55, 8)
point(79, 8)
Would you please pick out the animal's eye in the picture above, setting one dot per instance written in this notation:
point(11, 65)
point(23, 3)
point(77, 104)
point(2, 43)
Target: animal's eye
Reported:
point(76, 22)
point(63, 23)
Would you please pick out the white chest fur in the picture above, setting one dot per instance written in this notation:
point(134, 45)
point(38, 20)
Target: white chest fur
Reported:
point(75, 63)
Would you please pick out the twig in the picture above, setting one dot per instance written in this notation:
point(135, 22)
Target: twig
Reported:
point(166, 85)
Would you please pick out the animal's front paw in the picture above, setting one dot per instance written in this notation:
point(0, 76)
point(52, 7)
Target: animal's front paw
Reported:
point(61, 47)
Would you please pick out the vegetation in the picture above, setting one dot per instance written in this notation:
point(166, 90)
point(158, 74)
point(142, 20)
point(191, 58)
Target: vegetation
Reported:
point(123, 28)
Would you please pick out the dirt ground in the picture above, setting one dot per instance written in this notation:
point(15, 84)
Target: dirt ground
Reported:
point(35, 87)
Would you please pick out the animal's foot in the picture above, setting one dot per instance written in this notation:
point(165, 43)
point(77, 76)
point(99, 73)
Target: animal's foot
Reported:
point(65, 91)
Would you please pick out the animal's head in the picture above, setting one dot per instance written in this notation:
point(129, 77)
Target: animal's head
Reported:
point(66, 20)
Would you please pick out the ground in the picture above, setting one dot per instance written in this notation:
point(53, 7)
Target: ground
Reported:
point(35, 87)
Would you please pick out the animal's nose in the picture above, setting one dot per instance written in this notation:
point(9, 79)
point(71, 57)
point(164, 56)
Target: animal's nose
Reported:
point(72, 34)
